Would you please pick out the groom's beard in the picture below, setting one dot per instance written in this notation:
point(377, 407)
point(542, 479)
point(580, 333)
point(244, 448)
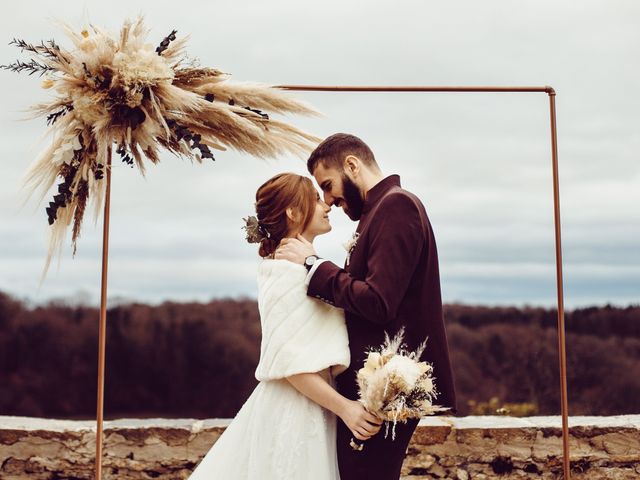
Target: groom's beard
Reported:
point(352, 198)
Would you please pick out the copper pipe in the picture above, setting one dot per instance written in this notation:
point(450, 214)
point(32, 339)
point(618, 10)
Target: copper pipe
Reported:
point(103, 318)
point(556, 210)
point(323, 88)
point(561, 329)
point(351, 88)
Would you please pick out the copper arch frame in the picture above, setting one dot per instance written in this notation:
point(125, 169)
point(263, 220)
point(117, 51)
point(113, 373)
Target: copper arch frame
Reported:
point(324, 88)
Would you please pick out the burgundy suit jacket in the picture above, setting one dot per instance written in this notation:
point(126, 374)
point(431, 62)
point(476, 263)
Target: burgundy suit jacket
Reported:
point(391, 280)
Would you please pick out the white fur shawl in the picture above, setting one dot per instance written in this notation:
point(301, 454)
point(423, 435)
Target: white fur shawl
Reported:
point(300, 334)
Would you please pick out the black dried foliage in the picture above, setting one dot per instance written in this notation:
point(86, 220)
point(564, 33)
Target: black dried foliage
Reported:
point(165, 42)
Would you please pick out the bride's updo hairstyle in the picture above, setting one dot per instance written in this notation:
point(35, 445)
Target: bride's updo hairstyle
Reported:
point(274, 197)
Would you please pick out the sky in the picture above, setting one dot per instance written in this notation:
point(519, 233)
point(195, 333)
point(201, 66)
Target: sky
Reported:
point(480, 162)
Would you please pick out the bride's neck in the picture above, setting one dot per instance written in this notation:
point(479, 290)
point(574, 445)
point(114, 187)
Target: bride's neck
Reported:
point(307, 236)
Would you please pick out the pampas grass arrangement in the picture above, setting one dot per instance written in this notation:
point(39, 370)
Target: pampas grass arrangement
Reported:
point(395, 386)
point(124, 92)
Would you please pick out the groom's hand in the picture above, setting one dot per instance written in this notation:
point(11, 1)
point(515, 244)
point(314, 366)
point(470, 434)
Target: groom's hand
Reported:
point(294, 249)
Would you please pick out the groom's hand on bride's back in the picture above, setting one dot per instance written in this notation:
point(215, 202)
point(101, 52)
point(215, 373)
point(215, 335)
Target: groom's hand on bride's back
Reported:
point(362, 424)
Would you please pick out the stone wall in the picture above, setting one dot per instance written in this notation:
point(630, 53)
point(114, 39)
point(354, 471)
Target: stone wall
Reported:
point(461, 448)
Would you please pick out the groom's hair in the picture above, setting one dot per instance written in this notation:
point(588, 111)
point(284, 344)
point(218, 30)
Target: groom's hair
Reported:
point(334, 149)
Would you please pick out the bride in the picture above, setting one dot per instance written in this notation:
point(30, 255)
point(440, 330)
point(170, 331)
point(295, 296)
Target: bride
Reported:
point(286, 429)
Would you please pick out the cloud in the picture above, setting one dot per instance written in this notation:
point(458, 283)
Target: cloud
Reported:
point(480, 163)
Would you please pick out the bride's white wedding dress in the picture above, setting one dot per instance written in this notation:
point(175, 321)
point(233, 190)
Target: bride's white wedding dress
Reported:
point(279, 434)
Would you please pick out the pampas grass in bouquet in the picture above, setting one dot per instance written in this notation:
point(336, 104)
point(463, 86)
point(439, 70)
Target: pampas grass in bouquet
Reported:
point(395, 386)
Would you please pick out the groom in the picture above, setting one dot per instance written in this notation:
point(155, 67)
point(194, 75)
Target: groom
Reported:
point(390, 280)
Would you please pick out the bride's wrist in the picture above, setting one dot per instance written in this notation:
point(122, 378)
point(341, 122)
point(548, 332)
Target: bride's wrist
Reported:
point(342, 407)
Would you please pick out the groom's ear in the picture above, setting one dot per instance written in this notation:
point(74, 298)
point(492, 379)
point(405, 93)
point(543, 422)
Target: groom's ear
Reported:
point(352, 165)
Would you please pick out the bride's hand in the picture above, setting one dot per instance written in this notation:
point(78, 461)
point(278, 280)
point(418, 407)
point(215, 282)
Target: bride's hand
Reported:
point(362, 424)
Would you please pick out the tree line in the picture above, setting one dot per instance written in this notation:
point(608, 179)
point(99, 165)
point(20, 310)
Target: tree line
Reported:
point(197, 360)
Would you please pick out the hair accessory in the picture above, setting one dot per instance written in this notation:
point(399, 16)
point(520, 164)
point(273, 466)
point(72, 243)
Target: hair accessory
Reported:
point(256, 231)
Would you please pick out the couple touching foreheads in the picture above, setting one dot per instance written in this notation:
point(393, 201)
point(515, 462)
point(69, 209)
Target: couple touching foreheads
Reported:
point(319, 320)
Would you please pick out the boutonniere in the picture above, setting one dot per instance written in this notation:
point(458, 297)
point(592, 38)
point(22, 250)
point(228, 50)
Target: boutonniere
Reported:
point(350, 244)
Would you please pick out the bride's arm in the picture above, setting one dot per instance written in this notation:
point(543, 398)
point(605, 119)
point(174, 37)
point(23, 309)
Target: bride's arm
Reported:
point(362, 424)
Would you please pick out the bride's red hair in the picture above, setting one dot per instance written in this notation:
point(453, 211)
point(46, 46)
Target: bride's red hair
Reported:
point(274, 197)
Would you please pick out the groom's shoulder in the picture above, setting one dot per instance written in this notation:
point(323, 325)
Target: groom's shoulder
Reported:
point(399, 197)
